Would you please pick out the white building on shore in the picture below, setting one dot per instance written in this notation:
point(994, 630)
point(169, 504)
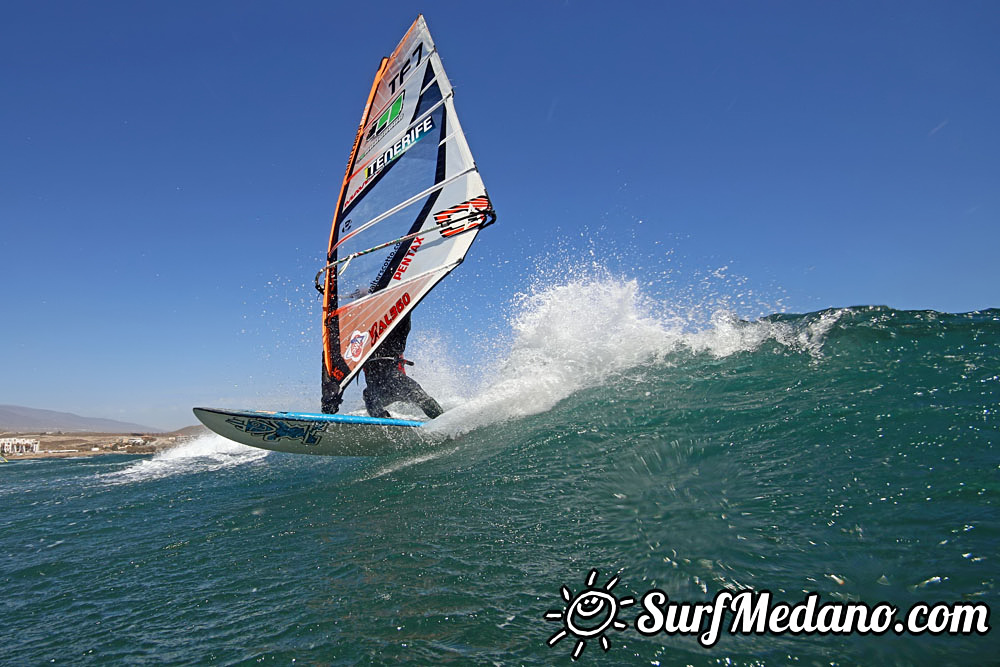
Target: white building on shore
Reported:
point(18, 446)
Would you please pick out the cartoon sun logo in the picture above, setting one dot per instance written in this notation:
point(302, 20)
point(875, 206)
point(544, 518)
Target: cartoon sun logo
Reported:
point(589, 614)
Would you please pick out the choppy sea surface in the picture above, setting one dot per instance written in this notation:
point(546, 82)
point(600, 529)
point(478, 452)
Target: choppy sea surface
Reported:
point(850, 452)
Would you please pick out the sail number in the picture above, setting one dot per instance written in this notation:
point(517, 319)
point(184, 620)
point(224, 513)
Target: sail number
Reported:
point(412, 61)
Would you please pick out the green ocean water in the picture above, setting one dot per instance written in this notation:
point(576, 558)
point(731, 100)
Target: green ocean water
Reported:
point(849, 452)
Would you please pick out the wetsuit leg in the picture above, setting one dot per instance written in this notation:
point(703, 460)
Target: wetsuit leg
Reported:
point(408, 390)
point(375, 403)
point(396, 386)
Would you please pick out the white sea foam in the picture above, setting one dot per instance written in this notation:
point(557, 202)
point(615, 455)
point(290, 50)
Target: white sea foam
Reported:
point(204, 454)
point(726, 334)
point(566, 337)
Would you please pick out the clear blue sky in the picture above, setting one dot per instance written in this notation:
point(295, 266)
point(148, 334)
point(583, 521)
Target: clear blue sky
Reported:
point(168, 170)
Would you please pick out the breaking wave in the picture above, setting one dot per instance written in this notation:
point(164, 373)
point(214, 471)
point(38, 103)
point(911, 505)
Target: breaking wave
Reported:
point(204, 454)
point(574, 335)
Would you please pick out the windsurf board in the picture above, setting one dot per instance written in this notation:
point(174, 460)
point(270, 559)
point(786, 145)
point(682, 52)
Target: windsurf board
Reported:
point(313, 433)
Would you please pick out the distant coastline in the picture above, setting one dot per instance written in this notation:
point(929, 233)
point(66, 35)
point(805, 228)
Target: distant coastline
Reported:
point(56, 444)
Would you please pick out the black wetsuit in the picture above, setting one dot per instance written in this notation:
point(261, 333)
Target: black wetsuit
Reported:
point(388, 383)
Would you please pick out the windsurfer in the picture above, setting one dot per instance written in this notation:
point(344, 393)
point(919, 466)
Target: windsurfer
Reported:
point(388, 382)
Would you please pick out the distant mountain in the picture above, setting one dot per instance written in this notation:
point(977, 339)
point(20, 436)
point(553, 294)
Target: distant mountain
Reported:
point(20, 419)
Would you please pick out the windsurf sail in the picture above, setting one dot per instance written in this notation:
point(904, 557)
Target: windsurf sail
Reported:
point(410, 206)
